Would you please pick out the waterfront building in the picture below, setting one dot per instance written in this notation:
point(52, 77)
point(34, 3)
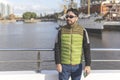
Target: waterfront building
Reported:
point(5, 9)
point(84, 3)
point(106, 5)
point(110, 9)
point(90, 6)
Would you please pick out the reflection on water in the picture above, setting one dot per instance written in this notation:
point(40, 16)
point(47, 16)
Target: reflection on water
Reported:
point(42, 35)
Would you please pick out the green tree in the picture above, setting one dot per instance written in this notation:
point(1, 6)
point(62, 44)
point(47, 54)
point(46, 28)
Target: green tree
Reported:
point(33, 15)
point(29, 15)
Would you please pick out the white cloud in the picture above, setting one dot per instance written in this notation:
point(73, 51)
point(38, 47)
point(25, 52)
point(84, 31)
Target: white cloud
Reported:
point(38, 7)
point(33, 8)
point(4, 1)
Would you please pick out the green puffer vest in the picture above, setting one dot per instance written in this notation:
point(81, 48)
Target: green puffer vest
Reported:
point(71, 44)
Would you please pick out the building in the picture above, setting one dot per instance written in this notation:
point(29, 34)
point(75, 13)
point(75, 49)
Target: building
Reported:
point(90, 6)
point(110, 9)
point(5, 9)
point(106, 5)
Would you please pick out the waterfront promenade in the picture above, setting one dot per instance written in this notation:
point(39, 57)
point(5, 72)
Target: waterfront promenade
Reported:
point(53, 75)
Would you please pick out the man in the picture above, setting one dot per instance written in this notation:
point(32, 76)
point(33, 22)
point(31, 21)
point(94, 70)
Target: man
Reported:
point(71, 43)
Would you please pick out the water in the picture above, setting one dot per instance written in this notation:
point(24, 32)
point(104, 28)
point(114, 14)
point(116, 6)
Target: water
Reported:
point(42, 35)
point(19, 35)
point(108, 39)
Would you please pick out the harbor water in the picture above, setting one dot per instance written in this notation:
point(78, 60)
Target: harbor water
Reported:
point(42, 35)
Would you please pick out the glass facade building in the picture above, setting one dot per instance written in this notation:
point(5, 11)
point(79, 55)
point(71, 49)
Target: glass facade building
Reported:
point(5, 9)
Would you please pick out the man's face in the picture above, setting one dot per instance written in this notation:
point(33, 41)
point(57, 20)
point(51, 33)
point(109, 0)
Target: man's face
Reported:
point(71, 18)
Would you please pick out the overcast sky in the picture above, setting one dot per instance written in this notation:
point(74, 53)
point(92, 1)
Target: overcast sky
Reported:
point(39, 6)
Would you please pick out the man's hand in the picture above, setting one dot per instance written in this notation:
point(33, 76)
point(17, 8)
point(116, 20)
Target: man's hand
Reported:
point(59, 67)
point(87, 70)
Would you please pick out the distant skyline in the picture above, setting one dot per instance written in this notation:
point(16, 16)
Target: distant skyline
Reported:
point(38, 6)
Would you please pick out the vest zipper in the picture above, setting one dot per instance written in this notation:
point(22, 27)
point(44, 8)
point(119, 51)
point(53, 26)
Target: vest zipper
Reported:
point(71, 47)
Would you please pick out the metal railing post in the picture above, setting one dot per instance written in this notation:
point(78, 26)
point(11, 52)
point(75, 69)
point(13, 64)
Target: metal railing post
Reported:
point(38, 62)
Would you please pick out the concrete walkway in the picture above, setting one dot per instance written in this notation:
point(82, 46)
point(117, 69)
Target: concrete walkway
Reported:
point(53, 75)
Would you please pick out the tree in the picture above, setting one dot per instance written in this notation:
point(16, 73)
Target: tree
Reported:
point(29, 15)
point(33, 15)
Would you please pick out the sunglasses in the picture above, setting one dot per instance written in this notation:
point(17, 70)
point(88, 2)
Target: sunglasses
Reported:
point(70, 16)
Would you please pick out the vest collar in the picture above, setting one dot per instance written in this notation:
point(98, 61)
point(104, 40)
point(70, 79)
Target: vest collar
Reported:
point(72, 26)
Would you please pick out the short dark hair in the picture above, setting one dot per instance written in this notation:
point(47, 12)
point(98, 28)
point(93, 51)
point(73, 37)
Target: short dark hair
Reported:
point(75, 11)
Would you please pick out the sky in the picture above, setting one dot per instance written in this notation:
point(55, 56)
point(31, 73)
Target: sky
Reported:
point(38, 6)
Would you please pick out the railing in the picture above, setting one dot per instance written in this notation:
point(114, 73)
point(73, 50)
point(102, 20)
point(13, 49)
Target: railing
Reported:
point(39, 60)
point(38, 56)
point(105, 49)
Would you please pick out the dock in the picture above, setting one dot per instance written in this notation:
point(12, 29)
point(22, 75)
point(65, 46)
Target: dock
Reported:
point(112, 25)
point(89, 23)
point(97, 23)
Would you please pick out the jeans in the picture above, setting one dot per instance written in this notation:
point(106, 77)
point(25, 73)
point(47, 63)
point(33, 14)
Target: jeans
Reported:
point(73, 71)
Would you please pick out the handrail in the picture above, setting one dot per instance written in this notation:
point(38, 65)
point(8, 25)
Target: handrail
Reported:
point(26, 49)
point(37, 49)
point(105, 49)
point(105, 60)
